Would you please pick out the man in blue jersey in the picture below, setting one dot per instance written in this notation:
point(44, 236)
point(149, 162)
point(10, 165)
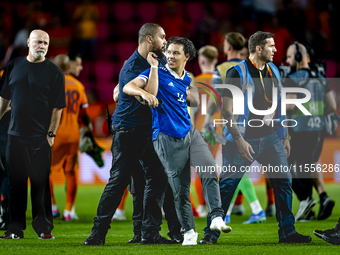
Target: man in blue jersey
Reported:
point(171, 127)
point(132, 143)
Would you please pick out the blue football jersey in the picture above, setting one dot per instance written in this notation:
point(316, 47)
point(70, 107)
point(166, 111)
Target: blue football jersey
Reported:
point(171, 118)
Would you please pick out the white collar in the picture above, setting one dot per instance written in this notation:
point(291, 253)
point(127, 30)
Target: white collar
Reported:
point(174, 73)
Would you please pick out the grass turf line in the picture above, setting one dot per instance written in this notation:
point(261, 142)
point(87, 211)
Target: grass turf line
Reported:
point(244, 239)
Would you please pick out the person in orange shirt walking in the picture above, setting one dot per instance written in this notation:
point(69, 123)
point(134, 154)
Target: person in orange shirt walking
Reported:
point(65, 149)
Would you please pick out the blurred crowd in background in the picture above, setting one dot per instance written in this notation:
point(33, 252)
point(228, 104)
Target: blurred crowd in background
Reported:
point(105, 33)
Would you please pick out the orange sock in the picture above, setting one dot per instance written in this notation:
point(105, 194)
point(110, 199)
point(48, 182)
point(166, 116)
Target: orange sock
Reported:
point(239, 199)
point(199, 191)
point(53, 202)
point(122, 202)
point(71, 190)
point(270, 195)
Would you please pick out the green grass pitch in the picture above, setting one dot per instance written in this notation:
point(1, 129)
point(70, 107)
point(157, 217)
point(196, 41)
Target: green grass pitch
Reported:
point(244, 239)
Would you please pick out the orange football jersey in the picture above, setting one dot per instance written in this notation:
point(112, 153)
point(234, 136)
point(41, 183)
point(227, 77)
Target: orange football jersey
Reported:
point(76, 99)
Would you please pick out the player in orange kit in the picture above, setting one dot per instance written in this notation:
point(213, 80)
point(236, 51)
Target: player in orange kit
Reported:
point(65, 148)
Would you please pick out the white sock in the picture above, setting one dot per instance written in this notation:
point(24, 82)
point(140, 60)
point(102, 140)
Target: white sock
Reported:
point(54, 207)
point(230, 209)
point(191, 231)
point(256, 207)
point(67, 212)
point(201, 207)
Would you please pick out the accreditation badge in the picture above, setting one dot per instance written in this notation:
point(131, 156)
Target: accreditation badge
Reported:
point(267, 119)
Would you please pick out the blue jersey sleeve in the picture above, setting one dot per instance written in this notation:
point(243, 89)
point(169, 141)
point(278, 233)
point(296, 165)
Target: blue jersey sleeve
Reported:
point(145, 75)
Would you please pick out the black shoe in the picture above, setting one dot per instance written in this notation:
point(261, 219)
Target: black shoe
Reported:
point(46, 236)
point(270, 210)
point(296, 238)
point(178, 238)
point(94, 239)
point(331, 236)
point(326, 207)
point(208, 240)
point(156, 240)
point(10, 235)
point(135, 239)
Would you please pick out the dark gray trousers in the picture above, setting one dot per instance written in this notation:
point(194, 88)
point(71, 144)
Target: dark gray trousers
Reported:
point(174, 155)
point(201, 158)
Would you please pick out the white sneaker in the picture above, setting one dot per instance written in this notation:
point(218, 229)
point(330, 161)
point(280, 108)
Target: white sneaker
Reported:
point(74, 216)
point(119, 215)
point(190, 237)
point(217, 224)
point(304, 208)
point(202, 211)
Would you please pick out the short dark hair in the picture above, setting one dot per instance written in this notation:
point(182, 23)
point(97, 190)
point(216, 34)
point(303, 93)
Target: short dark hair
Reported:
point(188, 46)
point(73, 56)
point(236, 40)
point(259, 38)
point(147, 29)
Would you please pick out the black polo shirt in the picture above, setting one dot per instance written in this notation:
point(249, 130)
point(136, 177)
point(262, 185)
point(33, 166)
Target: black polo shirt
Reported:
point(34, 89)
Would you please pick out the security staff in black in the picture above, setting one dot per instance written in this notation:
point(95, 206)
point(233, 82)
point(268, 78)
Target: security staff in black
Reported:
point(307, 129)
point(35, 87)
point(132, 143)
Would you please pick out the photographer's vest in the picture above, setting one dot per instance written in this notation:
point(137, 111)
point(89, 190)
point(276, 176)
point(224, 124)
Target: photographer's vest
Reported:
point(247, 81)
point(224, 67)
point(315, 83)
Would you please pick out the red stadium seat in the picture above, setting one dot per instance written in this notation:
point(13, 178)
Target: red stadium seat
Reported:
point(123, 11)
point(103, 30)
point(147, 11)
point(105, 91)
point(105, 51)
point(222, 10)
point(85, 73)
point(195, 11)
point(103, 9)
point(104, 71)
point(125, 49)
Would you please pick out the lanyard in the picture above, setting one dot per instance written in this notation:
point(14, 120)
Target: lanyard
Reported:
point(261, 78)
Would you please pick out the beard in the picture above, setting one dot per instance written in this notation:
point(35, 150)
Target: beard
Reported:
point(266, 59)
point(158, 52)
point(38, 55)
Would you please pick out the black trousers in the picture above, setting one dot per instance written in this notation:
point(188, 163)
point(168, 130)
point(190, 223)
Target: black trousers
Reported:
point(4, 190)
point(128, 148)
point(137, 191)
point(304, 148)
point(29, 158)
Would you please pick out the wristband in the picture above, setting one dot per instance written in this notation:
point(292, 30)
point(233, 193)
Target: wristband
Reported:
point(288, 138)
point(154, 67)
point(51, 134)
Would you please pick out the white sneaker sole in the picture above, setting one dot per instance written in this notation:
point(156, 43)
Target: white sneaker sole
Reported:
point(305, 212)
point(224, 229)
